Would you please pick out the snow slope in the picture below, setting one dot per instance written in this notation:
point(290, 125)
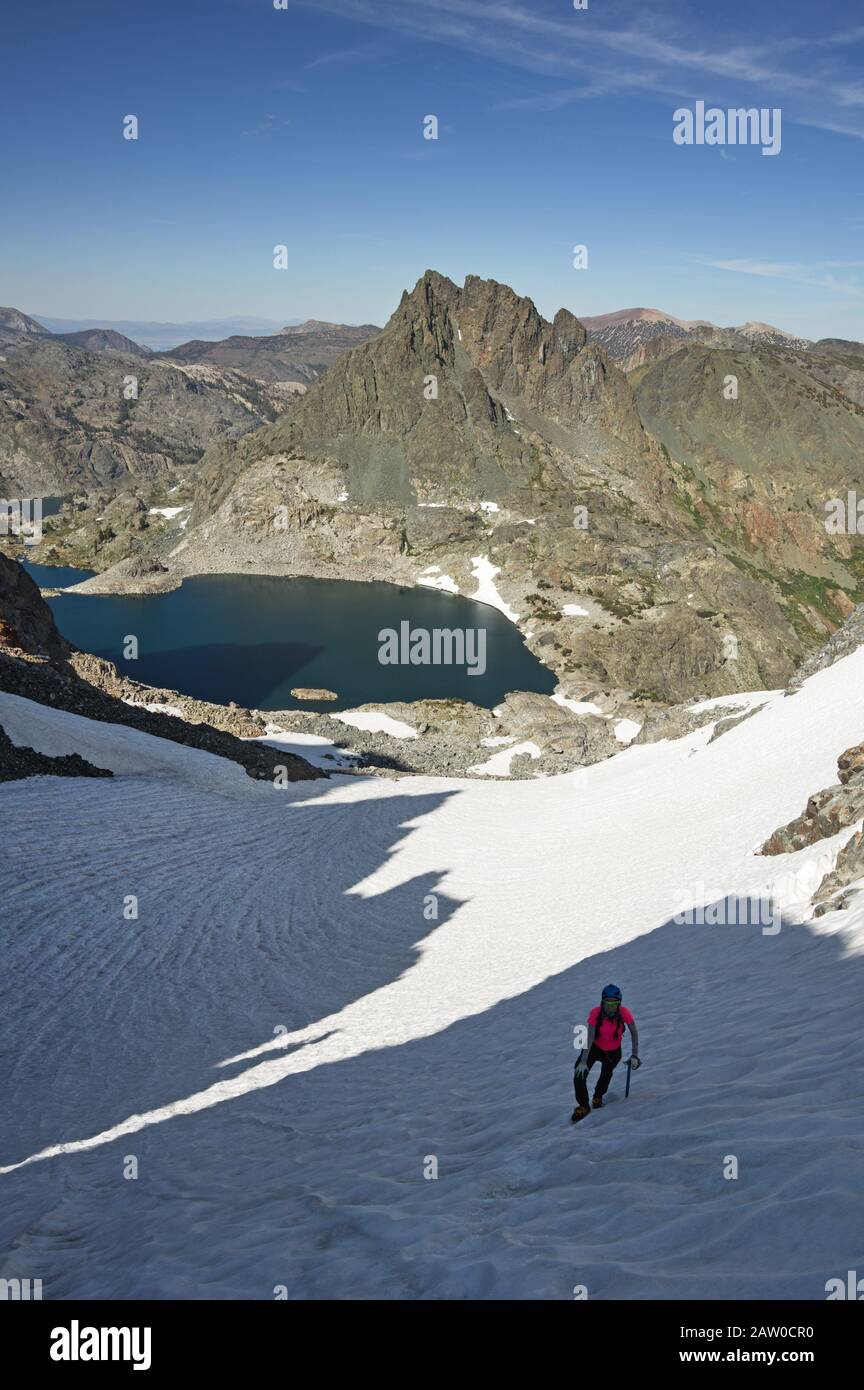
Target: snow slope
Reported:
point(288, 1033)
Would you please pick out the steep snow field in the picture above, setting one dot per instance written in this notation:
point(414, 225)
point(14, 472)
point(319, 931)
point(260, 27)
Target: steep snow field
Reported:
point(287, 1034)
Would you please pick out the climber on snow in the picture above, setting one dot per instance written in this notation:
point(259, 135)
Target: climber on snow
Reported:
point(606, 1025)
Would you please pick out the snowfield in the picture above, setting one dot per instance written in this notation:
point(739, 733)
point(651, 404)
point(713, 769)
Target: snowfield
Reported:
point(336, 1043)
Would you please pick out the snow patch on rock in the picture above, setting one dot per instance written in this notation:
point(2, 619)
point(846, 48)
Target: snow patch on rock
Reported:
point(499, 764)
point(432, 578)
point(484, 572)
point(577, 706)
point(375, 721)
point(626, 730)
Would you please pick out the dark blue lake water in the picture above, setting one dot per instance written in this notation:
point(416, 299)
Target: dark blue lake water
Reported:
point(251, 638)
point(55, 576)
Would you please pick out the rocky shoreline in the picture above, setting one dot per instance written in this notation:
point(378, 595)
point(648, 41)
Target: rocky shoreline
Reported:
point(526, 735)
point(37, 664)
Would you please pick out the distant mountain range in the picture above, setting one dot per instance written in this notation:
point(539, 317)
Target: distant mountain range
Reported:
point(298, 353)
point(627, 333)
point(67, 422)
point(620, 332)
point(160, 336)
point(258, 346)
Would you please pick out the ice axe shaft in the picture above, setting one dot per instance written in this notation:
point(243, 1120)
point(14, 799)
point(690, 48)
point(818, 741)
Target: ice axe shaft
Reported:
point(629, 1074)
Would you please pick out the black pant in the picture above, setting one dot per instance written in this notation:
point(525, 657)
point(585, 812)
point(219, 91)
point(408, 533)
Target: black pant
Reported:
point(608, 1061)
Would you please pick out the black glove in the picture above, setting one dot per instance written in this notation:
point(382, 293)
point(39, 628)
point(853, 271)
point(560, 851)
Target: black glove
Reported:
point(634, 1063)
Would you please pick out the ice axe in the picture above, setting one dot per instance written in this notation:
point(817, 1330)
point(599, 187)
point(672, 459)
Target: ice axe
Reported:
point(629, 1074)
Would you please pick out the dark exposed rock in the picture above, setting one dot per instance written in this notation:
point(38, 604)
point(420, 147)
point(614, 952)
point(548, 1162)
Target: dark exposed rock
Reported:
point(454, 738)
point(573, 740)
point(783, 422)
point(834, 809)
point(17, 763)
point(64, 689)
point(26, 621)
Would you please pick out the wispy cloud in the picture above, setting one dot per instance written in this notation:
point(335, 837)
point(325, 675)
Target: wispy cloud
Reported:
point(815, 276)
point(344, 57)
point(598, 55)
point(269, 124)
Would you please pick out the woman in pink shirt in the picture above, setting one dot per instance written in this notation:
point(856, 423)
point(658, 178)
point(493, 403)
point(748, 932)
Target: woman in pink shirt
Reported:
point(606, 1026)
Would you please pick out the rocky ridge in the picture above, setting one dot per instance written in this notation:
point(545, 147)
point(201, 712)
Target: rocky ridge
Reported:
point(473, 436)
point(296, 355)
point(66, 424)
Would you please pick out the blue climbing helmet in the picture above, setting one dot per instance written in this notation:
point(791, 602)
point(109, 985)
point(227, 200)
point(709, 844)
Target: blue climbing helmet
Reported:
point(610, 1007)
point(610, 1001)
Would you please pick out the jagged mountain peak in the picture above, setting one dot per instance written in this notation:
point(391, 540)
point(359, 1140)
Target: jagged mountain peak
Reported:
point(486, 343)
point(436, 402)
point(501, 331)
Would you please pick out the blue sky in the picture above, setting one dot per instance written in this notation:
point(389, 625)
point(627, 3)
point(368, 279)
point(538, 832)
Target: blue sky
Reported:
point(304, 127)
